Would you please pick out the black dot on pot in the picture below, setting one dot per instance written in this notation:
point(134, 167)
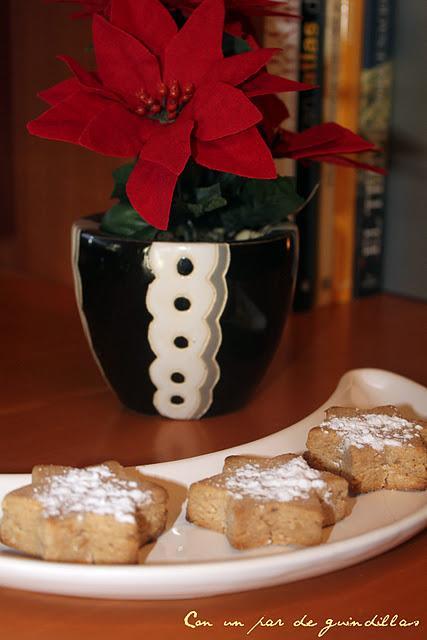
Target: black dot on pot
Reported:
point(182, 304)
point(177, 400)
point(184, 266)
point(177, 377)
point(181, 342)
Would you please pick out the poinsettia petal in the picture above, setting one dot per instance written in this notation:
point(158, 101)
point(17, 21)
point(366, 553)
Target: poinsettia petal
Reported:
point(221, 110)
point(347, 142)
point(236, 69)
point(152, 182)
point(197, 46)
point(150, 190)
point(234, 28)
point(244, 154)
point(291, 142)
point(170, 145)
point(67, 120)
point(86, 78)
point(328, 138)
point(147, 20)
point(61, 91)
point(117, 132)
point(331, 132)
point(124, 64)
point(350, 162)
point(264, 83)
point(274, 112)
point(273, 109)
point(326, 143)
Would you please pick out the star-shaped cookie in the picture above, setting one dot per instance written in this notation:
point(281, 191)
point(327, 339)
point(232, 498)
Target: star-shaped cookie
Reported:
point(379, 448)
point(257, 501)
point(101, 514)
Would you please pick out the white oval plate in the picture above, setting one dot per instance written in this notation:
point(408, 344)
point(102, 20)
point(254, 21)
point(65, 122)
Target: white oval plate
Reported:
point(189, 562)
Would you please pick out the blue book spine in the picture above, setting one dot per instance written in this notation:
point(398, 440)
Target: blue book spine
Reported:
point(374, 124)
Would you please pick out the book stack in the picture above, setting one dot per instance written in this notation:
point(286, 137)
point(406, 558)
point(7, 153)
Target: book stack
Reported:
point(345, 47)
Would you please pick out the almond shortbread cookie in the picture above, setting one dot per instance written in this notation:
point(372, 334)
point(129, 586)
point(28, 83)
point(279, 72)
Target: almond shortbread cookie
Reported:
point(101, 515)
point(257, 501)
point(373, 449)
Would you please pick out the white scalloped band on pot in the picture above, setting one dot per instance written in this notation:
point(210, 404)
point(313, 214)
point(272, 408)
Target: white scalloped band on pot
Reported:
point(183, 329)
point(186, 299)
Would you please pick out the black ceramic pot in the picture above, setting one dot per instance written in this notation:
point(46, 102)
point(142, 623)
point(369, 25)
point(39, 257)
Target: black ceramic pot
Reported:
point(183, 329)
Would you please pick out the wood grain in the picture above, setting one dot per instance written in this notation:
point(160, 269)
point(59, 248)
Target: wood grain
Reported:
point(6, 217)
point(51, 183)
point(54, 407)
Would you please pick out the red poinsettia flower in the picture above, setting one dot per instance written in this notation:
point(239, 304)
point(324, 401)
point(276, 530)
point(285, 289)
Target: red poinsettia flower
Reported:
point(165, 95)
point(324, 143)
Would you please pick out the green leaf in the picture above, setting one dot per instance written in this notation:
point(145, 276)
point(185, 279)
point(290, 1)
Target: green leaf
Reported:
point(261, 203)
point(210, 198)
point(205, 193)
point(217, 202)
point(121, 176)
point(207, 199)
point(207, 206)
point(123, 220)
point(195, 209)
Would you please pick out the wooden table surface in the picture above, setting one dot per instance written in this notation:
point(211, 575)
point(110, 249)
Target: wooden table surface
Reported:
point(55, 407)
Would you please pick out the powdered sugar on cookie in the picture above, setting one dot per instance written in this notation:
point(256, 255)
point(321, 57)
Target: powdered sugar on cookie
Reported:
point(373, 430)
point(285, 482)
point(94, 490)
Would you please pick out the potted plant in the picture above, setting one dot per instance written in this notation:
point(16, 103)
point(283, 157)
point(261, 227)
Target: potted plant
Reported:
point(185, 283)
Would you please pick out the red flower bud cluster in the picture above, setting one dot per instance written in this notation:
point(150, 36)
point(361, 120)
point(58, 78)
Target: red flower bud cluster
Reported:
point(166, 103)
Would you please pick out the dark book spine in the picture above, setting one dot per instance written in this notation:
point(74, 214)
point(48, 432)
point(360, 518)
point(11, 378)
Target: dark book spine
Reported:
point(374, 124)
point(308, 176)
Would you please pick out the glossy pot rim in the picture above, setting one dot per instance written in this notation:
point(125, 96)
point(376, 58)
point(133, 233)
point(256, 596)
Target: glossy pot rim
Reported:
point(282, 234)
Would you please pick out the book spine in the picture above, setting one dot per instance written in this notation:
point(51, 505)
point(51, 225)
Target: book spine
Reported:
point(284, 33)
point(351, 36)
point(324, 272)
point(374, 124)
point(308, 176)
